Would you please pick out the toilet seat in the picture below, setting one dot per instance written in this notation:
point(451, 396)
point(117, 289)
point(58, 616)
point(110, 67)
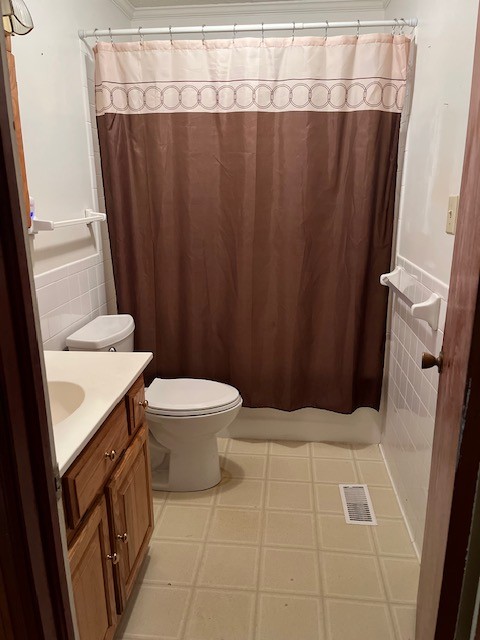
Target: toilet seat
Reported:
point(183, 397)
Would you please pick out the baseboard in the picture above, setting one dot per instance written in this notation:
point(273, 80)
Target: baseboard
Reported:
point(309, 425)
point(400, 505)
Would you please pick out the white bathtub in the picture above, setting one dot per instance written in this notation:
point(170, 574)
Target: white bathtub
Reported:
point(310, 425)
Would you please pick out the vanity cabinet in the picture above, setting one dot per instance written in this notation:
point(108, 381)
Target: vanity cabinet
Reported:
point(92, 577)
point(108, 505)
point(129, 494)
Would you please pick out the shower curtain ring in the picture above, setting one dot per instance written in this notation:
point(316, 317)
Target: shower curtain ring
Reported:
point(95, 34)
point(111, 37)
point(140, 34)
point(203, 35)
point(234, 32)
point(171, 37)
point(293, 33)
point(358, 28)
point(402, 28)
point(263, 34)
point(326, 29)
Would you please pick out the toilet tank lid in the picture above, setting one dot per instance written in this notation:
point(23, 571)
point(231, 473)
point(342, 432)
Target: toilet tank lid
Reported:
point(102, 332)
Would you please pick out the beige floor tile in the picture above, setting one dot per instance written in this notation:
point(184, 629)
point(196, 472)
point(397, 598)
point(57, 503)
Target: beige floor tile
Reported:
point(239, 492)
point(283, 468)
point(290, 570)
point(352, 576)
point(182, 522)
point(257, 447)
point(287, 617)
point(205, 497)
point(401, 578)
point(159, 497)
point(221, 615)
point(291, 496)
point(373, 473)
point(348, 620)
point(334, 471)
point(404, 619)
point(367, 452)
point(384, 502)
point(331, 450)
point(288, 529)
point(228, 566)
point(392, 538)
point(290, 448)
point(156, 612)
point(327, 498)
point(245, 466)
point(336, 535)
point(235, 525)
point(173, 563)
point(222, 444)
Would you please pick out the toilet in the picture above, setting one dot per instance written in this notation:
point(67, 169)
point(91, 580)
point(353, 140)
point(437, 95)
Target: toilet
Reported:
point(184, 415)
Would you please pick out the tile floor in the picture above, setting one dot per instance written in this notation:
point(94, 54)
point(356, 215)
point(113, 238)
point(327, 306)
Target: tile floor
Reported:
point(267, 555)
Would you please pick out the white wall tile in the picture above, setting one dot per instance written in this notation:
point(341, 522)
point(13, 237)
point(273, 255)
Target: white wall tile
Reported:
point(411, 396)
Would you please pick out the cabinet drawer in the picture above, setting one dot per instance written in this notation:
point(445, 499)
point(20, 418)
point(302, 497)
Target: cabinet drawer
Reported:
point(136, 405)
point(86, 477)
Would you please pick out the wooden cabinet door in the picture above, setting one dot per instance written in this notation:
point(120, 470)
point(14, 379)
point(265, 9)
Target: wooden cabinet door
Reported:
point(92, 577)
point(136, 405)
point(129, 494)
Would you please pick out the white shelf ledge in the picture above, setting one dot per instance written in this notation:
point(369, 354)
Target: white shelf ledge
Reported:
point(50, 225)
point(403, 284)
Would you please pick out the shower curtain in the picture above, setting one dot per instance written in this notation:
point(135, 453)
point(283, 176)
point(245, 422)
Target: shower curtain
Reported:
point(249, 187)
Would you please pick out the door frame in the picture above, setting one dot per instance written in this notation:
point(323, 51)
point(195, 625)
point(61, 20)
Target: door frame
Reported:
point(456, 444)
point(34, 595)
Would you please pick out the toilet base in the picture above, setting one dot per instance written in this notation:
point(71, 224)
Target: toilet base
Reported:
point(191, 468)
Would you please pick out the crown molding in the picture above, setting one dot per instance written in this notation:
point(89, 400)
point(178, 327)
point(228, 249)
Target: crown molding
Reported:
point(125, 7)
point(294, 7)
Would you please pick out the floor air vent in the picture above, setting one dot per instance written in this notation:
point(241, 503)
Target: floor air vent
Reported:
point(357, 504)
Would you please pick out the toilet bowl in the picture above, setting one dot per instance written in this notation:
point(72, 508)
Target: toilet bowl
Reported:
point(184, 415)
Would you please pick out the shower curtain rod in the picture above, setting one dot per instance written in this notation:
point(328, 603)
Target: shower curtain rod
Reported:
point(238, 28)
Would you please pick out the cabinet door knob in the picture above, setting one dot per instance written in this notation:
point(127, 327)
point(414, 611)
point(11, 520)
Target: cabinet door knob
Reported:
point(113, 557)
point(123, 537)
point(429, 361)
point(111, 454)
point(143, 403)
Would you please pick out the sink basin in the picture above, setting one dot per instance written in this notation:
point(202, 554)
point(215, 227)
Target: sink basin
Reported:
point(65, 398)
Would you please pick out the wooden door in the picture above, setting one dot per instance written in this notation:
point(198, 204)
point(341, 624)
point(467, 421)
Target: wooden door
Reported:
point(92, 578)
point(129, 495)
point(456, 446)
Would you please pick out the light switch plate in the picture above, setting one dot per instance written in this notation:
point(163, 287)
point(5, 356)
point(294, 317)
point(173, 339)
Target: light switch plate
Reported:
point(452, 214)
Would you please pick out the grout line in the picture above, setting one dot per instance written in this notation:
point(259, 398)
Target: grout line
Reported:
point(318, 550)
point(261, 546)
point(405, 520)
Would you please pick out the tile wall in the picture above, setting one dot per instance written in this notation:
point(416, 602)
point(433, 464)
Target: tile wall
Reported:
point(71, 296)
point(411, 400)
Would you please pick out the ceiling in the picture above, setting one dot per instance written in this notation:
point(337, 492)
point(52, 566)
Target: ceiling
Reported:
point(164, 3)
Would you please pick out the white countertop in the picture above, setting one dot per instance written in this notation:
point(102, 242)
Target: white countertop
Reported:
point(105, 378)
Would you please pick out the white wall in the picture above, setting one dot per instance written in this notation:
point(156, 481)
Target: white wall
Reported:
point(432, 170)
point(257, 12)
point(55, 79)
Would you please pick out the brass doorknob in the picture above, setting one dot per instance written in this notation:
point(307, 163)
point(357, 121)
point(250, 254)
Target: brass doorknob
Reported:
point(113, 557)
point(143, 403)
point(111, 454)
point(429, 361)
point(123, 537)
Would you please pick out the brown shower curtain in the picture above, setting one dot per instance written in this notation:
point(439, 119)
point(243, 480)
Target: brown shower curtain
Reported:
point(250, 193)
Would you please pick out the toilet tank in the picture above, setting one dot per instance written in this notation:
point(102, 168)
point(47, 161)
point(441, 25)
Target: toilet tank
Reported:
point(104, 333)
